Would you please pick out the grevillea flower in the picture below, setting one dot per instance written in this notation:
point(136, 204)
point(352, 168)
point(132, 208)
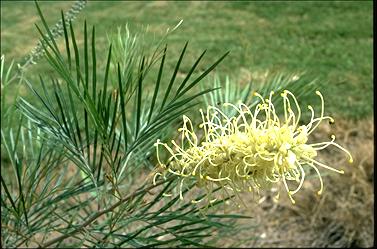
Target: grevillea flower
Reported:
point(249, 151)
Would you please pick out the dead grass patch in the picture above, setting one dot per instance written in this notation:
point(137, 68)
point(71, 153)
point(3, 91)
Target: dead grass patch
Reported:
point(342, 216)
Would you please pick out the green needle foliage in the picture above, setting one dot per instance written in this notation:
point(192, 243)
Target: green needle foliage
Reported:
point(299, 83)
point(79, 156)
point(75, 159)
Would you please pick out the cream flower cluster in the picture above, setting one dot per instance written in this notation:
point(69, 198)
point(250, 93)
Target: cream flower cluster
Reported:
point(250, 151)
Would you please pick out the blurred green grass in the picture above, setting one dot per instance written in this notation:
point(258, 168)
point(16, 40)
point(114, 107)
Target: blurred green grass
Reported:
point(330, 40)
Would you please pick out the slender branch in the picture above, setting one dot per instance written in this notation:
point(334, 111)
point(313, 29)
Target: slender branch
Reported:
point(98, 214)
point(26, 238)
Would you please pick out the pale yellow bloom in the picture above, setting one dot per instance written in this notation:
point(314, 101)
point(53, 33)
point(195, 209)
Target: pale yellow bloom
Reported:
point(250, 151)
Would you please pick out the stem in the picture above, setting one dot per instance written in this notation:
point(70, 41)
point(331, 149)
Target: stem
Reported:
point(98, 214)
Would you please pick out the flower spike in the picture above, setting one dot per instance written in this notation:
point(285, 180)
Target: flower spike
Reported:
point(248, 152)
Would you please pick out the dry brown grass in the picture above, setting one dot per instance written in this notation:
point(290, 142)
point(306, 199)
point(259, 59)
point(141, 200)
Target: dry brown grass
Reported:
point(342, 216)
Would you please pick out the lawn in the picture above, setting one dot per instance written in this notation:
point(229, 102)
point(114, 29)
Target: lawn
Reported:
point(331, 41)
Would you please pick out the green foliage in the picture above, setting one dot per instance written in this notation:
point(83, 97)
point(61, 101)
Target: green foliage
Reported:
point(77, 157)
point(300, 84)
point(56, 31)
